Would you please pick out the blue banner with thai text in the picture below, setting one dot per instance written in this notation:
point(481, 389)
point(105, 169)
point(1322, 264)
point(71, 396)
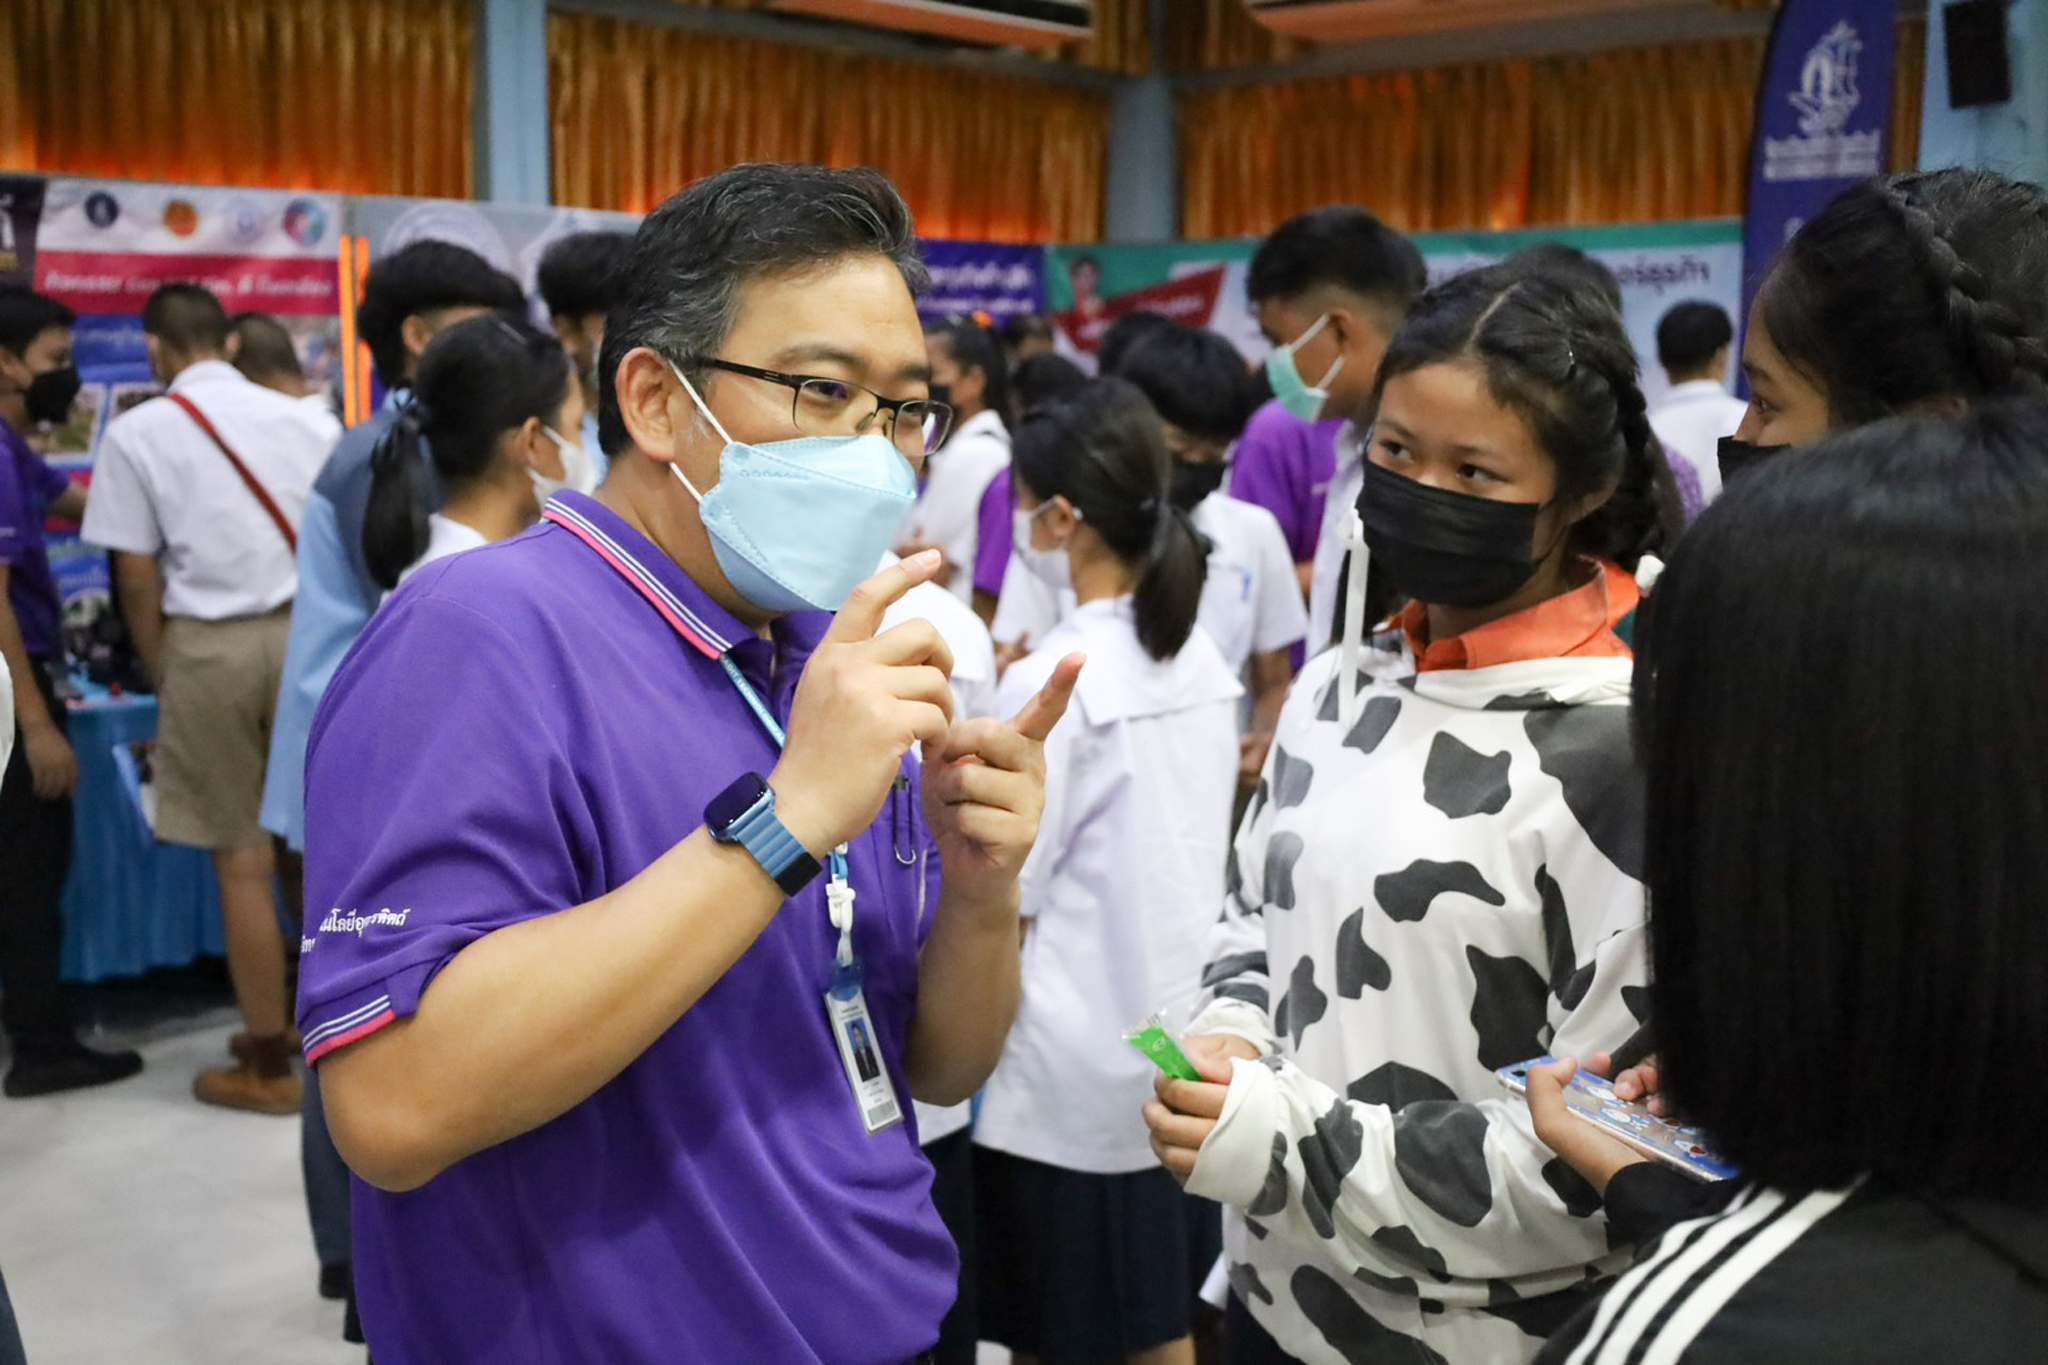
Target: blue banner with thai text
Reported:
point(1822, 115)
point(992, 278)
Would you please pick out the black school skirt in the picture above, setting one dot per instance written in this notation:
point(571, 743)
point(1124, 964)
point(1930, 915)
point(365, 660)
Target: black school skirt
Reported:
point(1081, 1269)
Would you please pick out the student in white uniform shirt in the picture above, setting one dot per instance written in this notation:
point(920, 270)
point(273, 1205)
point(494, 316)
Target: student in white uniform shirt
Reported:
point(969, 373)
point(1083, 1243)
point(942, 1132)
point(199, 496)
point(1251, 601)
point(1251, 604)
point(1693, 345)
point(494, 400)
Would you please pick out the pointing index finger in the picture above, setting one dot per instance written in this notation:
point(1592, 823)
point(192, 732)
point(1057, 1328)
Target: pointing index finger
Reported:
point(1043, 711)
point(861, 615)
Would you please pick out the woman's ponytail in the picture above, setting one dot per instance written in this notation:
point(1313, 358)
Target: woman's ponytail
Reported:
point(395, 520)
point(1169, 591)
point(1102, 451)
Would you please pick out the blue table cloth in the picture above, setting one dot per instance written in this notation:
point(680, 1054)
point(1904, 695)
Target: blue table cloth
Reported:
point(130, 903)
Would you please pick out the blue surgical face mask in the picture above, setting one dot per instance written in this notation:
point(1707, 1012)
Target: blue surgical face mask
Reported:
point(1295, 394)
point(796, 525)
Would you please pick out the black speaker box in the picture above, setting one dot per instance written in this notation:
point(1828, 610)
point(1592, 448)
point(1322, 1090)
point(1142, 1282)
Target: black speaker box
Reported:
point(1979, 61)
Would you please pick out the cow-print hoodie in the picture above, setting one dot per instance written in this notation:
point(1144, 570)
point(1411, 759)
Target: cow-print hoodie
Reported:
point(1447, 886)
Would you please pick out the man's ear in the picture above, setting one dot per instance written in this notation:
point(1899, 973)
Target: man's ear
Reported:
point(415, 332)
point(652, 403)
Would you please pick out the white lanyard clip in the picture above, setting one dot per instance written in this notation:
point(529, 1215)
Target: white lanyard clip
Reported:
point(1354, 619)
point(839, 905)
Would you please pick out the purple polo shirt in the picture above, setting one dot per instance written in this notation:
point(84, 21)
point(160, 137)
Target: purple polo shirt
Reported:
point(517, 731)
point(1285, 465)
point(27, 488)
point(992, 535)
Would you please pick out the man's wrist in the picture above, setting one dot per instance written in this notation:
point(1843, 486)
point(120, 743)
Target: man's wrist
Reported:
point(799, 817)
point(991, 903)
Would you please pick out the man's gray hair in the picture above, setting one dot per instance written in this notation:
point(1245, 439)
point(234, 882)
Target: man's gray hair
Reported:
point(680, 285)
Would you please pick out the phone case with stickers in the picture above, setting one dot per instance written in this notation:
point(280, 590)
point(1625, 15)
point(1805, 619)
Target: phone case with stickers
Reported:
point(1677, 1145)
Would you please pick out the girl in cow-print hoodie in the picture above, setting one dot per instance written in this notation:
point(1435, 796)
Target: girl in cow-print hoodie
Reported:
point(1438, 876)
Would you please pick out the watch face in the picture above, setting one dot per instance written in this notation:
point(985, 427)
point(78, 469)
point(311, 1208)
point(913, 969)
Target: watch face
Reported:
point(735, 801)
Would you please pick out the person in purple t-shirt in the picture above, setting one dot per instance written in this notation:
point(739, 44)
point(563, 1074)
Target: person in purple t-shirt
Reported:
point(1284, 465)
point(618, 1034)
point(37, 385)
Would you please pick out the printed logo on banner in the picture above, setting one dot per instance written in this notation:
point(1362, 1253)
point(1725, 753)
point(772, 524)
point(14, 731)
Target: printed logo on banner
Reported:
point(1826, 99)
point(181, 217)
point(244, 222)
point(304, 223)
point(101, 209)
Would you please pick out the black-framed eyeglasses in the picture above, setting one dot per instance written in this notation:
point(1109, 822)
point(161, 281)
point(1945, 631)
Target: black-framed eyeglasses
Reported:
point(820, 406)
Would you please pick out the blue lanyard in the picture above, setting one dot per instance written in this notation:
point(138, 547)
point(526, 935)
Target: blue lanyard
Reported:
point(837, 858)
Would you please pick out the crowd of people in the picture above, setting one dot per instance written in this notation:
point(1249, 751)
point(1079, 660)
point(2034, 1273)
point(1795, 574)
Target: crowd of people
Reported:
point(755, 756)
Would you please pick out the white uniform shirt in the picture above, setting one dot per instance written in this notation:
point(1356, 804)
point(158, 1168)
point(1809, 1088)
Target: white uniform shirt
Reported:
point(161, 487)
point(974, 696)
point(1251, 599)
point(1692, 421)
point(1119, 891)
point(1345, 486)
point(444, 538)
point(948, 511)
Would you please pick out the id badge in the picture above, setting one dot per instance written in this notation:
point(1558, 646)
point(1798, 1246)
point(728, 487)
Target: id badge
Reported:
point(846, 1011)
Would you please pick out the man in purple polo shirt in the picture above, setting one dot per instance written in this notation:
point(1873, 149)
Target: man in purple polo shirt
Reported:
point(37, 385)
point(1284, 465)
point(623, 1074)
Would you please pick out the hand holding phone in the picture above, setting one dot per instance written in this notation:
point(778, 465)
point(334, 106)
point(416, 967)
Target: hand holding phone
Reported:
point(1591, 1098)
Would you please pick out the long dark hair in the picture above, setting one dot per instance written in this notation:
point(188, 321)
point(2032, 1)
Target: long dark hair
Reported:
point(1844, 851)
point(1558, 357)
point(477, 380)
point(1101, 450)
point(1918, 287)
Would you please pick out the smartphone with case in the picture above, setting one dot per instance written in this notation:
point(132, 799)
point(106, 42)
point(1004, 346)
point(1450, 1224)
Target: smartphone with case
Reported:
point(1677, 1145)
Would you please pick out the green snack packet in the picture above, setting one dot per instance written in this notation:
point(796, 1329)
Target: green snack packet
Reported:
point(1151, 1038)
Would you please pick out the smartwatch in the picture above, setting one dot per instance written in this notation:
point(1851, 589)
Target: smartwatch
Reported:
point(744, 814)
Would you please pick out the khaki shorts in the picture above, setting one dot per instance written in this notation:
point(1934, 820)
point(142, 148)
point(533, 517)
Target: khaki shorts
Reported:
point(215, 707)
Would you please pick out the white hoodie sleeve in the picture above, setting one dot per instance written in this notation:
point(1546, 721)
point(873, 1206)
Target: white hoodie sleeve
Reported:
point(1440, 1188)
point(1237, 984)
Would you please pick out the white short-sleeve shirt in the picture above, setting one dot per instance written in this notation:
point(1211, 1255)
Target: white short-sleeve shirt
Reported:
point(444, 538)
point(1120, 889)
point(974, 688)
point(948, 511)
point(161, 487)
point(1691, 422)
point(1251, 598)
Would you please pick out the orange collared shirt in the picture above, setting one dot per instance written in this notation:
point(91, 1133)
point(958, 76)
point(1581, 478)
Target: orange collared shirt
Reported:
point(1578, 624)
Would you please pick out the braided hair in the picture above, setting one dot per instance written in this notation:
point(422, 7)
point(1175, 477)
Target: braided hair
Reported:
point(1558, 356)
point(1913, 289)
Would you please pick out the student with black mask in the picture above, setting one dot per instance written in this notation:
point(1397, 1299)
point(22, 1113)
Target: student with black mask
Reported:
point(1440, 874)
point(1923, 291)
point(37, 385)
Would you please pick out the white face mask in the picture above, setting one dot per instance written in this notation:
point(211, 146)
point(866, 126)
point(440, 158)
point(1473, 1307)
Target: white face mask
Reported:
point(576, 469)
point(1051, 567)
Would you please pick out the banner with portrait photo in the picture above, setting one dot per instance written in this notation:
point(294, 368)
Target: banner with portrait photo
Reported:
point(1658, 265)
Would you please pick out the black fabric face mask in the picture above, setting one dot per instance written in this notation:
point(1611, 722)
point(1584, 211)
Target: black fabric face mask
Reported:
point(1445, 548)
point(1740, 458)
point(1193, 482)
point(49, 394)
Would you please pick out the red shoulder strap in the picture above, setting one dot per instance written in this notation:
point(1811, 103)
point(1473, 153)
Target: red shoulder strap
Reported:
point(284, 527)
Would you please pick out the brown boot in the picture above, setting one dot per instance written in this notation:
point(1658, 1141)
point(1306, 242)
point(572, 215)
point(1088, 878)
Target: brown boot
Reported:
point(242, 1045)
point(239, 1087)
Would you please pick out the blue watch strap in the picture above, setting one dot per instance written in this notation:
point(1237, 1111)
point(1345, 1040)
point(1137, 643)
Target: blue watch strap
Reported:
point(760, 831)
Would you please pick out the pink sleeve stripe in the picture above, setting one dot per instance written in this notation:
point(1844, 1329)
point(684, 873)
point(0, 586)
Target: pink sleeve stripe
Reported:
point(360, 1031)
